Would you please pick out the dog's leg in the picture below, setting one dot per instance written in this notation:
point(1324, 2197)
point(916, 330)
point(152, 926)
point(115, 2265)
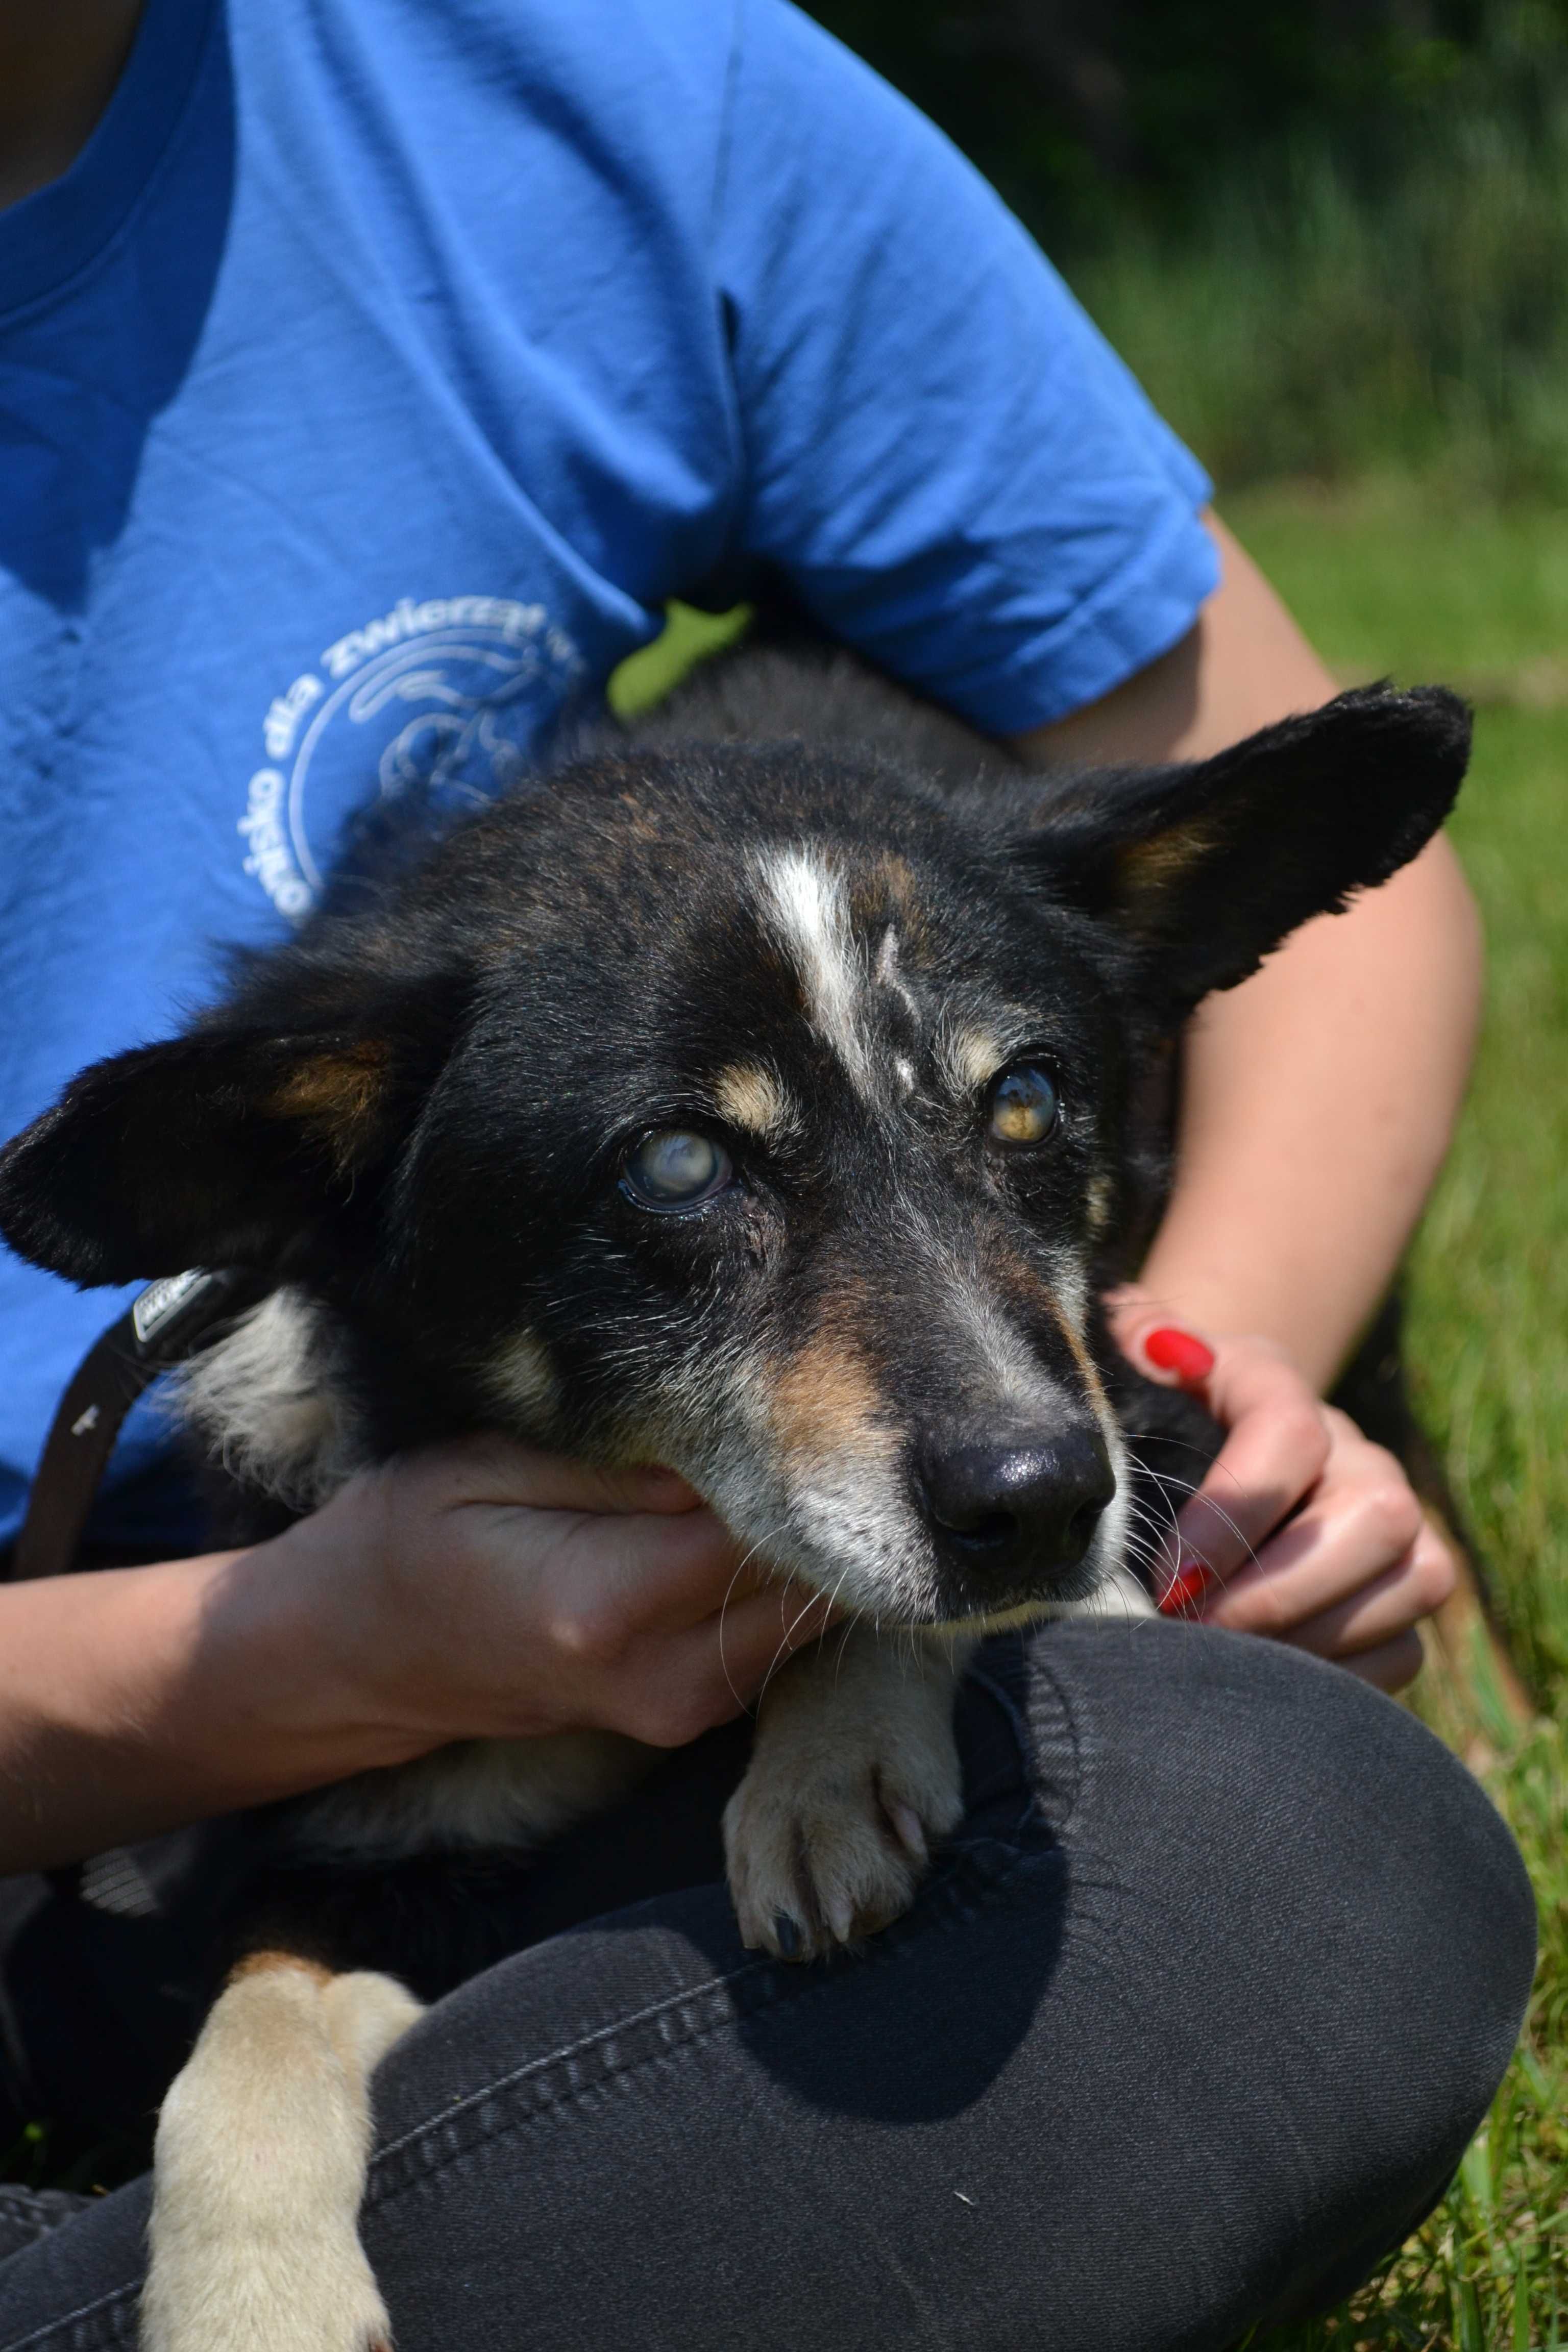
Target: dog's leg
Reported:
point(854, 1772)
point(260, 2167)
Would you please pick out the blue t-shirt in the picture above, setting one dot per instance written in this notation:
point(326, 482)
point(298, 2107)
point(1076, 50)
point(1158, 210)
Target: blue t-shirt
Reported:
point(371, 380)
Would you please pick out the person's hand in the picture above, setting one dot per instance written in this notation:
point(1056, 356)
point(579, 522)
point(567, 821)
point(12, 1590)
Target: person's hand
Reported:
point(482, 1588)
point(1302, 1529)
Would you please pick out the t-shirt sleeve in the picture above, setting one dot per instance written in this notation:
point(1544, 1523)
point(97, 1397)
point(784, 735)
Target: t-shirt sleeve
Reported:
point(941, 452)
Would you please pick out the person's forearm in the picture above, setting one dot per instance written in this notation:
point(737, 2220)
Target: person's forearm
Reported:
point(132, 1700)
point(1318, 1097)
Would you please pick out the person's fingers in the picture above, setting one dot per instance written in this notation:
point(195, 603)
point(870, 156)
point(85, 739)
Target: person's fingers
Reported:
point(1274, 1455)
point(713, 1671)
point(1360, 1524)
point(1300, 1530)
point(754, 1635)
point(488, 1468)
point(1384, 1608)
point(603, 1585)
point(1135, 1317)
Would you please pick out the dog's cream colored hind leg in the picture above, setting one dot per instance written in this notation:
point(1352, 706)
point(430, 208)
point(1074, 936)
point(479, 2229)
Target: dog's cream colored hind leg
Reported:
point(260, 2167)
point(854, 1772)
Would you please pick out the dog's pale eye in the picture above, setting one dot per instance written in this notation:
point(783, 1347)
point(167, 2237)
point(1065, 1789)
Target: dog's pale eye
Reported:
point(676, 1168)
point(1023, 1105)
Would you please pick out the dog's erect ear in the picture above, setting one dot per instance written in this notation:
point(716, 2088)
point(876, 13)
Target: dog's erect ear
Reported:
point(219, 1148)
point(1204, 869)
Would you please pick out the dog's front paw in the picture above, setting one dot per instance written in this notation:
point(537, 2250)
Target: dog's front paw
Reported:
point(827, 1836)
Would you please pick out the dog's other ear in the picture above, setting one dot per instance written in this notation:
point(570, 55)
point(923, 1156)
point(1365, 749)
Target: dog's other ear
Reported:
point(219, 1148)
point(1204, 869)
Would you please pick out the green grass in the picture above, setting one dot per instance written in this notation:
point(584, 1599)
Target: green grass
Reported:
point(1393, 578)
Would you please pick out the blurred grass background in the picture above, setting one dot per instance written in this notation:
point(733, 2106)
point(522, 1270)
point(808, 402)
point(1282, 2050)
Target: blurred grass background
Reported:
point(1331, 237)
point(1327, 234)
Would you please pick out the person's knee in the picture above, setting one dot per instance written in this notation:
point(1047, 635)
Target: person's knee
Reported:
point(1413, 1864)
point(1342, 1880)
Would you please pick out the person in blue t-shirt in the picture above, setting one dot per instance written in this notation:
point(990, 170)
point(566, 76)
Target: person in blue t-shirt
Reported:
point(371, 371)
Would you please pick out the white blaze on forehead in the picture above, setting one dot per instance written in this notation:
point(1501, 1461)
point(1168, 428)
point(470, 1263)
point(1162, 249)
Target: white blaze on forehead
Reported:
point(803, 904)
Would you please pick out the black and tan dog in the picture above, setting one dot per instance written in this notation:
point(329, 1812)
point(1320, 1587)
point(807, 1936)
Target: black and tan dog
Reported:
point(757, 1096)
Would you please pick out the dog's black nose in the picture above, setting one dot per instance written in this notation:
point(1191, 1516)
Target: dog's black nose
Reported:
point(1007, 1513)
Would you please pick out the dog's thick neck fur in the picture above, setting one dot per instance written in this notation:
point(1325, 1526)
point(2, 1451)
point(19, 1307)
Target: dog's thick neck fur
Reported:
point(269, 1404)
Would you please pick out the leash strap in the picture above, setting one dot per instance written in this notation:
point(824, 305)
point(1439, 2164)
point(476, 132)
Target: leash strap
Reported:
point(163, 1326)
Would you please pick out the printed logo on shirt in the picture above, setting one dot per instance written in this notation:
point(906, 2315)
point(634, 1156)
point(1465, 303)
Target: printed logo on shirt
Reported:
point(453, 694)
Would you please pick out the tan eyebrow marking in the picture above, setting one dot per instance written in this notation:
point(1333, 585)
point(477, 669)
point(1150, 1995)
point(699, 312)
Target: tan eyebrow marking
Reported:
point(971, 1056)
point(751, 1099)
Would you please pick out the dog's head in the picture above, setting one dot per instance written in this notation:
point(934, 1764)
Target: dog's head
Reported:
point(758, 1110)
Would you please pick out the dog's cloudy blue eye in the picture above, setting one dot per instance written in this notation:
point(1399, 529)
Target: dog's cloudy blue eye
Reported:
point(676, 1168)
point(1023, 1105)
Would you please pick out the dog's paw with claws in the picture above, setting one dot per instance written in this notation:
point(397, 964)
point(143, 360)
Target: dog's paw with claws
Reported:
point(829, 1833)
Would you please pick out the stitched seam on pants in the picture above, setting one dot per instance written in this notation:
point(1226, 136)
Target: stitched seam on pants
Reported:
point(982, 1874)
point(55, 2328)
point(568, 2051)
point(1008, 1704)
point(1060, 1829)
point(1028, 1815)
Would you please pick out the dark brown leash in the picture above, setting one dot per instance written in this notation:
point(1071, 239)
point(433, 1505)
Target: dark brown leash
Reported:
point(164, 1324)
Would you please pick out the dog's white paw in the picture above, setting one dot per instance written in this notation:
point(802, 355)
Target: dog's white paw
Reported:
point(829, 1835)
point(218, 2294)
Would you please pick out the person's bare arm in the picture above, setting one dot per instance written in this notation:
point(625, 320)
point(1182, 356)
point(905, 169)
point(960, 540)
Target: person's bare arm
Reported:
point(477, 1589)
point(1319, 1098)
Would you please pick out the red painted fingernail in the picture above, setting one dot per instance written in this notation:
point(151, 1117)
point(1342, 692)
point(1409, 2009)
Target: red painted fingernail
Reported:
point(1182, 1352)
point(1188, 1586)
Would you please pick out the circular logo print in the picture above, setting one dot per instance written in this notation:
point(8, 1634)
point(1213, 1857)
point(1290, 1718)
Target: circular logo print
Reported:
point(454, 696)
